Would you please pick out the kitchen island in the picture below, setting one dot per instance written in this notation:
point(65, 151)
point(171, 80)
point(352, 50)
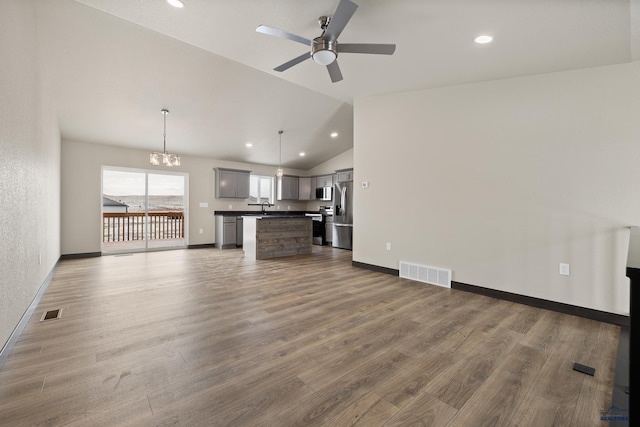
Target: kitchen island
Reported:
point(272, 236)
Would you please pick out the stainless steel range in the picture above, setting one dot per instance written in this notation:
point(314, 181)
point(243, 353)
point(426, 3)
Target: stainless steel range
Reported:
point(318, 228)
point(322, 232)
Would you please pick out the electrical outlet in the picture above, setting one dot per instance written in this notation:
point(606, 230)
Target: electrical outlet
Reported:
point(39, 258)
point(388, 246)
point(201, 231)
point(288, 208)
point(230, 207)
point(565, 269)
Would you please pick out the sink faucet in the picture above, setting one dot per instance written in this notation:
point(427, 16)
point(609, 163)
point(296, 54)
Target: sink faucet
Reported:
point(264, 205)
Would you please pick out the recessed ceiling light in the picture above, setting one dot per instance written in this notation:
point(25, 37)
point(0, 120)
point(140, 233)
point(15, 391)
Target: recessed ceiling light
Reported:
point(176, 3)
point(302, 154)
point(248, 145)
point(334, 134)
point(483, 39)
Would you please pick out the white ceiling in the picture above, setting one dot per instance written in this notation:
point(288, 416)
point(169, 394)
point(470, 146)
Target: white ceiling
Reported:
point(114, 64)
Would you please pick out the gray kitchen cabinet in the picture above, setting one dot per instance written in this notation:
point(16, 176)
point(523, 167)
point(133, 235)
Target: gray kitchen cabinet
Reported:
point(344, 175)
point(324, 181)
point(314, 185)
point(225, 232)
point(305, 190)
point(232, 183)
point(287, 188)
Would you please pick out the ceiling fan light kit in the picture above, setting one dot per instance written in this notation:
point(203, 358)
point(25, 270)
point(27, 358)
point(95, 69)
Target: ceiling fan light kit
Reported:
point(324, 49)
point(324, 52)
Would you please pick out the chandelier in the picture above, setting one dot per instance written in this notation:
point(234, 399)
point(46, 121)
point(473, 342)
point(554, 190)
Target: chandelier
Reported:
point(168, 159)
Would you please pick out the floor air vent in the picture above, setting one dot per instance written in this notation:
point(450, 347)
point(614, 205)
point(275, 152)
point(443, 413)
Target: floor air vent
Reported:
point(426, 274)
point(51, 314)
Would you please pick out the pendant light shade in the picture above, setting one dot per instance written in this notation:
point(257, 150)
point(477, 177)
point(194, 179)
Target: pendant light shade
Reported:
point(279, 171)
point(167, 159)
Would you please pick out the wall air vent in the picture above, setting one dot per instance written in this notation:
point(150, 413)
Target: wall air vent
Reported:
point(424, 273)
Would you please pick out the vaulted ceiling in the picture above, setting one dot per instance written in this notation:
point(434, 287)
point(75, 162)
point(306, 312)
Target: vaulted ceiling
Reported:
point(114, 64)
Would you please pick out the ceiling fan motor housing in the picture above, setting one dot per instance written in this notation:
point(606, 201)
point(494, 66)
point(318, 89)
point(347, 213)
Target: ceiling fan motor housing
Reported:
point(324, 52)
point(324, 22)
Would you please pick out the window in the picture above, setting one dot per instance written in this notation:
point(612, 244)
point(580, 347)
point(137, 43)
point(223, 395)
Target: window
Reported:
point(261, 189)
point(143, 210)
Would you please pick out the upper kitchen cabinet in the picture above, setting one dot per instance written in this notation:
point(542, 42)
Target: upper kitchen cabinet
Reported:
point(344, 175)
point(305, 190)
point(324, 181)
point(287, 188)
point(232, 183)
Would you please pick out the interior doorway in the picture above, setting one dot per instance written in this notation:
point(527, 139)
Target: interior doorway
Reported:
point(143, 210)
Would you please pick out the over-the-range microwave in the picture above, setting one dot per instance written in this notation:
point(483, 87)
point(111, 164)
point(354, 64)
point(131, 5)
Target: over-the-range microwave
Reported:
point(324, 193)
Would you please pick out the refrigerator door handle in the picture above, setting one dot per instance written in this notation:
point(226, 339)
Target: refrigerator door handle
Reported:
point(343, 201)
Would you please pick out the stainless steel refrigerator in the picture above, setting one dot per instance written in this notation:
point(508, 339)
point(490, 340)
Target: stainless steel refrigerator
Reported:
point(343, 215)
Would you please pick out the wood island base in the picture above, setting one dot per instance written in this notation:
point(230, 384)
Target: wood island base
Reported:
point(266, 237)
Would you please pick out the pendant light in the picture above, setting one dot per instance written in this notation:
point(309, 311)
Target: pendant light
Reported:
point(279, 171)
point(168, 159)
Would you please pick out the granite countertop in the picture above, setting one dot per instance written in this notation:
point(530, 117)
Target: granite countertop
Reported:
point(275, 213)
point(260, 216)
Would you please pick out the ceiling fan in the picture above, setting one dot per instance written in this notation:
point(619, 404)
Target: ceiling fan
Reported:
point(325, 49)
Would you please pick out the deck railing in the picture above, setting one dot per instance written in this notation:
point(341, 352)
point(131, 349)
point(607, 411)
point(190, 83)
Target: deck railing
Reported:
point(125, 226)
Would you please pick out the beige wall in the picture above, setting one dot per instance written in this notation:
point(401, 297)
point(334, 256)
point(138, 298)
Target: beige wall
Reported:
point(81, 192)
point(30, 171)
point(341, 161)
point(502, 181)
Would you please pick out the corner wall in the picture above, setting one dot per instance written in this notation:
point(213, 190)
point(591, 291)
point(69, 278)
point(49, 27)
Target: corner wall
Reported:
point(502, 181)
point(30, 170)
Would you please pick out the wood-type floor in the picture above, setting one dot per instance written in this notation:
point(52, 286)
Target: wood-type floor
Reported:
point(204, 337)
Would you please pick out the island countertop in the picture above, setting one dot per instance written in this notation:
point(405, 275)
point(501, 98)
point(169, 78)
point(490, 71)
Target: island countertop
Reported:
point(272, 236)
point(260, 216)
point(258, 212)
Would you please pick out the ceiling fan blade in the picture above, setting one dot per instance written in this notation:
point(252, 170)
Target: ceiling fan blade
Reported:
point(265, 29)
point(379, 49)
point(334, 72)
point(293, 62)
point(339, 20)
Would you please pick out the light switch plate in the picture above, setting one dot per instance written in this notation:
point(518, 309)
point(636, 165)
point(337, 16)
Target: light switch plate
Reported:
point(565, 269)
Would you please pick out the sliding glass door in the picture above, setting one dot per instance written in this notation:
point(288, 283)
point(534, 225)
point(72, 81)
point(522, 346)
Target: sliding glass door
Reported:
point(143, 210)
